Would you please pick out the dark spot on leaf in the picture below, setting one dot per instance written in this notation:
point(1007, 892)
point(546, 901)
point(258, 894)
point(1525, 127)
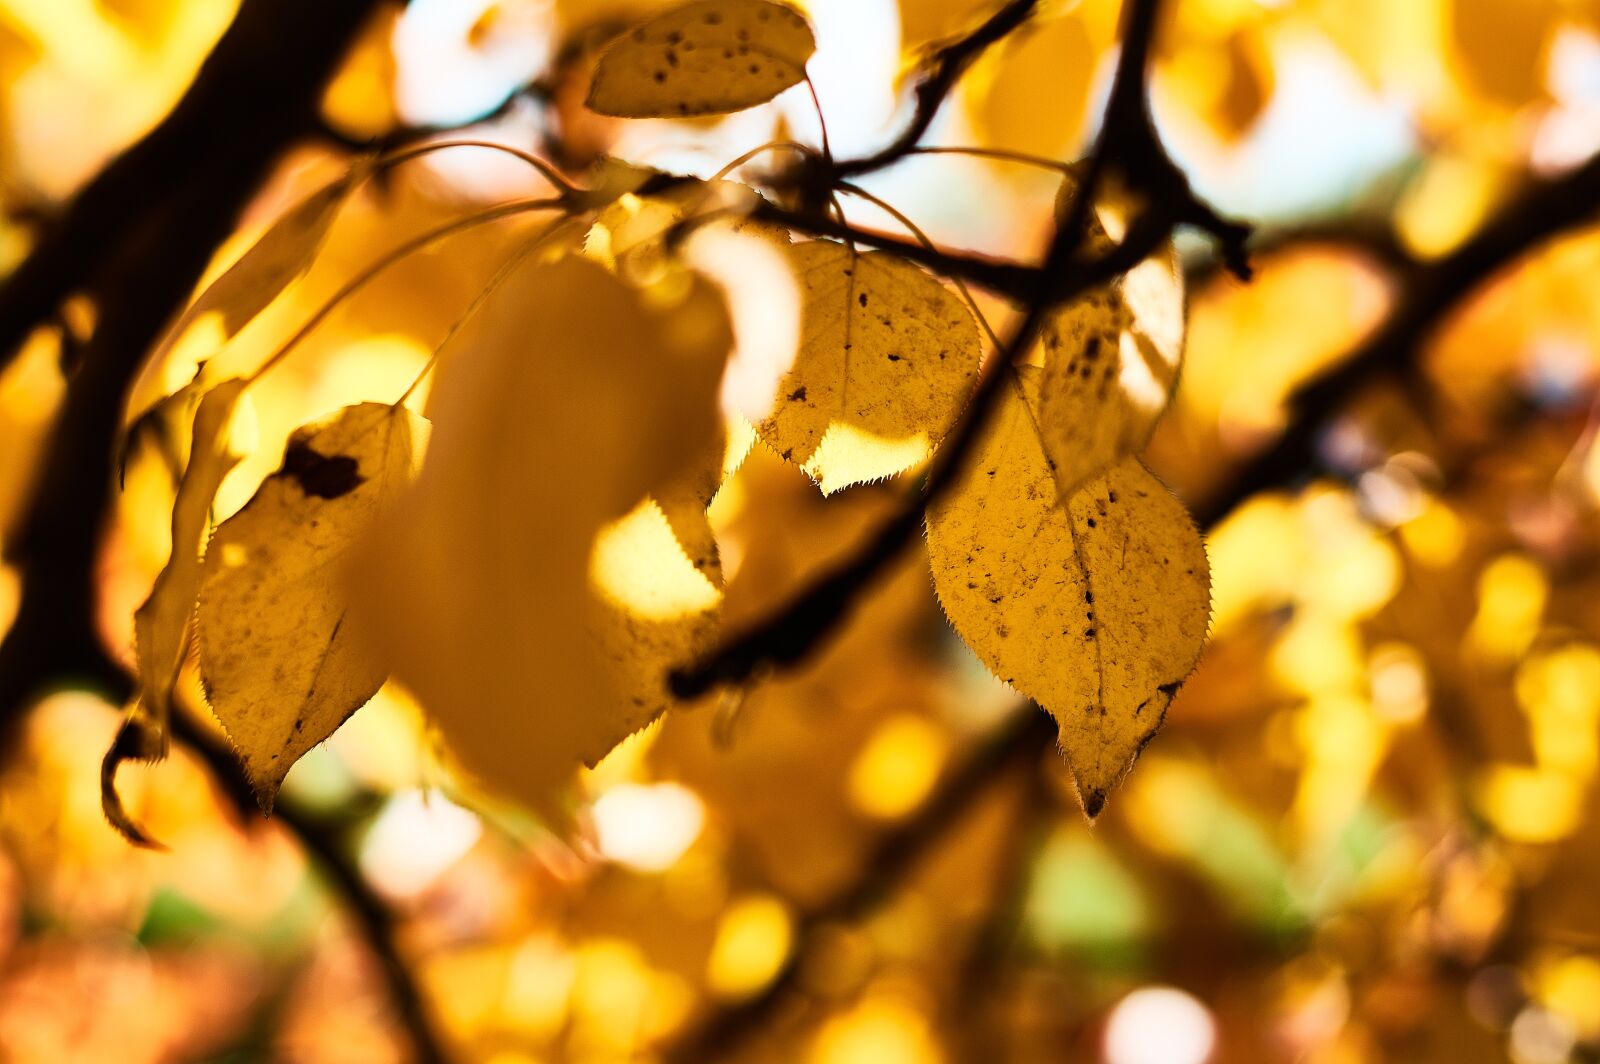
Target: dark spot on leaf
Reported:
point(1093, 802)
point(894, 358)
point(1091, 522)
point(798, 395)
point(661, 75)
point(713, 19)
point(320, 475)
point(862, 299)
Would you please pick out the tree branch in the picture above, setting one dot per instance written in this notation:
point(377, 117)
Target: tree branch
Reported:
point(939, 78)
point(1545, 209)
point(137, 240)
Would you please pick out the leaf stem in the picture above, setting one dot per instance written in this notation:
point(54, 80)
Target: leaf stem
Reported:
point(389, 258)
point(500, 276)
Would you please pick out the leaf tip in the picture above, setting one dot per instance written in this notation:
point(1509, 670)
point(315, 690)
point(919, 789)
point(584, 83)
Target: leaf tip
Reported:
point(1093, 800)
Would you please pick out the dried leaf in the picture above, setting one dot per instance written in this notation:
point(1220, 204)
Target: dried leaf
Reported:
point(887, 357)
point(1096, 608)
point(708, 57)
point(161, 624)
point(1054, 59)
point(282, 664)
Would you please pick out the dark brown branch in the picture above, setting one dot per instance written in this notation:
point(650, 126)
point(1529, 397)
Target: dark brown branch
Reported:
point(940, 76)
point(1545, 209)
point(322, 840)
point(1014, 280)
point(137, 240)
point(1127, 145)
point(325, 843)
point(1023, 736)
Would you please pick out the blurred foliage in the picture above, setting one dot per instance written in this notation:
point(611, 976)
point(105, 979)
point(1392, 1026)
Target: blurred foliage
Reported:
point(1370, 831)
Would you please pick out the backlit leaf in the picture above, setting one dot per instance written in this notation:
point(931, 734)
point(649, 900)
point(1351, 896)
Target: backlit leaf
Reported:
point(1502, 45)
point(566, 401)
point(1053, 59)
point(887, 357)
point(161, 624)
point(1111, 362)
point(281, 662)
point(708, 57)
point(282, 254)
point(1096, 608)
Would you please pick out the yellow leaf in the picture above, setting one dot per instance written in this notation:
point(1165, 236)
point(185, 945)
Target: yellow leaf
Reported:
point(567, 400)
point(283, 253)
point(926, 22)
point(659, 604)
point(1053, 60)
point(1111, 362)
point(1249, 86)
point(1502, 45)
point(161, 624)
point(282, 665)
point(708, 57)
point(887, 356)
point(1096, 609)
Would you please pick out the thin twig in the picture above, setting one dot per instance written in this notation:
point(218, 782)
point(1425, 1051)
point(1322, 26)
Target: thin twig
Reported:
point(940, 76)
point(325, 842)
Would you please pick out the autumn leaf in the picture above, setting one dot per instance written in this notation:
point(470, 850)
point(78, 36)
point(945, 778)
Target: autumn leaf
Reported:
point(887, 356)
point(708, 57)
point(283, 253)
point(162, 623)
point(1502, 45)
point(281, 663)
point(1095, 608)
point(1054, 59)
point(567, 400)
point(657, 603)
point(1110, 366)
